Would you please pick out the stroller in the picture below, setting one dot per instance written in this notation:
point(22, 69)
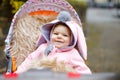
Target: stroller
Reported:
point(24, 29)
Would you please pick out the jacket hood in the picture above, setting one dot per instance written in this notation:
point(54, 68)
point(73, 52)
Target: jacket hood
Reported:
point(76, 30)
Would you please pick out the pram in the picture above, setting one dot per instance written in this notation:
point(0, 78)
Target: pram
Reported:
point(24, 29)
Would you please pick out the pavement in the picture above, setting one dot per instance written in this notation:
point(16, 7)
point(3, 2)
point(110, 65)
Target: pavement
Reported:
point(100, 15)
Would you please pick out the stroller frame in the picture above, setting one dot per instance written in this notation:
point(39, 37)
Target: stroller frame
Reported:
point(33, 6)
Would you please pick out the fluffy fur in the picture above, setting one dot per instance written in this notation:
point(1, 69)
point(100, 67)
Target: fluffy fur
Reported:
point(25, 34)
point(51, 64)
point(64, 16)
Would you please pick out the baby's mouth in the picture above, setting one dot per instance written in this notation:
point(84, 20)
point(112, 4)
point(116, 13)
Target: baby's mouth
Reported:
point(59, 41)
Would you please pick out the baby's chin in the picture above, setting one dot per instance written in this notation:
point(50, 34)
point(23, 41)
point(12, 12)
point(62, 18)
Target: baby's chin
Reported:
point(59, 45)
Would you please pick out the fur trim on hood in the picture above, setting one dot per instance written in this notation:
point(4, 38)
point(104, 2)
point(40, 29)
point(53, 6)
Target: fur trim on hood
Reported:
point(76, 30)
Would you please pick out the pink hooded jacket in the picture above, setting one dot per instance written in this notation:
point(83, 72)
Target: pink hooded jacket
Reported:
point(69, 55)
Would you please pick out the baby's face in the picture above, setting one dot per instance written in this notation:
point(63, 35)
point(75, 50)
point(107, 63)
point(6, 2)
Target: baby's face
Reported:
point(61, 36)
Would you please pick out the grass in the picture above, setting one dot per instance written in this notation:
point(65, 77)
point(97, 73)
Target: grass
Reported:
point(100, 59)
point(93, 36)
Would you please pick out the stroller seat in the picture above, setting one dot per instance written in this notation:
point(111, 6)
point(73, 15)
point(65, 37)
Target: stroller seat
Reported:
point(25, 27)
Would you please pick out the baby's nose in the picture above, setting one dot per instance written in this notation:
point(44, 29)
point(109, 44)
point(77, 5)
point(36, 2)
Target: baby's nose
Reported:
point(59, 36)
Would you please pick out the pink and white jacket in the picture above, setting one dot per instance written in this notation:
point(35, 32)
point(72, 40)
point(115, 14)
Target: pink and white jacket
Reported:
point(69, 55)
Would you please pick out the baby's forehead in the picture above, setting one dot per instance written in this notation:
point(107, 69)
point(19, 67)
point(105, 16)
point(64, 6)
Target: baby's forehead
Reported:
point(60, 23)
point(61, 27)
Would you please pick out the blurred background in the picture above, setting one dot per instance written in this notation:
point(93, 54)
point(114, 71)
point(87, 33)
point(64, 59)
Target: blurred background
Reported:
point(101, 25)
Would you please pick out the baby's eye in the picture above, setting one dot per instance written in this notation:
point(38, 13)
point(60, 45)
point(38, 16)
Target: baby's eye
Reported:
point(55, 33)
point(65, 35)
